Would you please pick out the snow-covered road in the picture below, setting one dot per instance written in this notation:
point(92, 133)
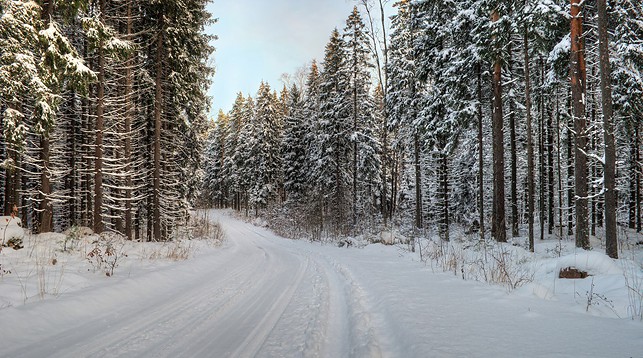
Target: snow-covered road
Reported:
point(263, 296)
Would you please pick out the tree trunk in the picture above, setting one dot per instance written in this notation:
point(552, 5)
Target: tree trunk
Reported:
point(638, 169)
point(444, 195)
point(158, 105)
point(98, 149)
point(541, 150)
point(355, 136)
point(498, 225)
point(480, 154)
point(594, 170)
point(570, 170)
point(418, 182)
point(609, 174)
point(514, 159)
point(530, 146)
point(559, 169)
point(128, 128)
point(633, 175)
point(45, 208)
point(388, 209)
point(550, 173)
point(578, 84)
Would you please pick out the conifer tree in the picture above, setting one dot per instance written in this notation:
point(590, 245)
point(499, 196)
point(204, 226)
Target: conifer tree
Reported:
point(366, 163)
point(333, 149)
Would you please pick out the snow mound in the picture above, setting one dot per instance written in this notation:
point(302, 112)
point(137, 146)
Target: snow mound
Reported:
point(10, 228)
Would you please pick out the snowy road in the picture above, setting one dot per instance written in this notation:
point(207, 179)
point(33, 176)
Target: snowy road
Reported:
point(262, 296)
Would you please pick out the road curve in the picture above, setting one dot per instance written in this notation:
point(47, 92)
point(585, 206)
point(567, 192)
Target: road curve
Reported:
point(255, 297)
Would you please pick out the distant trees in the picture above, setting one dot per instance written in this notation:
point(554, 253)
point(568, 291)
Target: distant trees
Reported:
point(110, 135)
point(502, 87)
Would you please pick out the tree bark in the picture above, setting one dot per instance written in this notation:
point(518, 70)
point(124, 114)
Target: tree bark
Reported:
point(578, 77)
point(558, 168)
point(514, 160)
point(609, 174)
point(128, 129)
point(444, 184)
point(638, 168)
point(418, 181)
point(550, 173)
point(158, 106)
point(570, 170)
point(498, 224)
point(98, 145)
point(480, 154)
point(46, 211)
point(530, 146)
point(541, 150)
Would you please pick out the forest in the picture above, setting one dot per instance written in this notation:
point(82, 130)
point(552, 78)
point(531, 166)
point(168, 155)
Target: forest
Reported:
point(503, 118)
point(103, 112)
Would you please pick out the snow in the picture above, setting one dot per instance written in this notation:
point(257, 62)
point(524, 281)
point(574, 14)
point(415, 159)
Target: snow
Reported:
point(10, 227)
point(265, 296)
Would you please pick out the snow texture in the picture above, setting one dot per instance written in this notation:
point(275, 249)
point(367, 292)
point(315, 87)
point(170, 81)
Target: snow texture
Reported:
point(263, 296)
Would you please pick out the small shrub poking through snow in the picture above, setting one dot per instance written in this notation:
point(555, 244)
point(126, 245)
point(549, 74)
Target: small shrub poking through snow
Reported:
point(489, 261)
point(106, 254)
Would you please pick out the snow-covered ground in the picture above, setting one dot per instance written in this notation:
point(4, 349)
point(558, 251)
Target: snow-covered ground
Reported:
point(264, 296)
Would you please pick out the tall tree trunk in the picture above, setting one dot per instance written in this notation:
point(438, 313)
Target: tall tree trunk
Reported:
point(594, 171)
point(418, 181)
point(541, 150)
point(514, 158)
point(530, 145)
point(558, 166)
point(444, 195)
point(550, 173)
point(388, 209)
point(570, 169)
point(158, 105)
point(86, 187)
point(578, 84)
point(638, 169)
point(480, 154)
point(128, 128)
point(46, 213)
point(98, 145)
point(498, 225)
point(609, 174)
point(355, 136)
point(45, 208)
point(633, 175)
point(72, 139)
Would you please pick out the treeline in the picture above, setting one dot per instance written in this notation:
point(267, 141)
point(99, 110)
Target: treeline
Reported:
point(508, 115)
point(103, 111)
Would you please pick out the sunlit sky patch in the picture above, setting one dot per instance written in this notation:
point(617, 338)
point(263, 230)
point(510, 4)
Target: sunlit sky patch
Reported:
point(259, 40)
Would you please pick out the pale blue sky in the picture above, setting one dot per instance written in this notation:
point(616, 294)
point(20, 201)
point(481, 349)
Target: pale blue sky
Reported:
point(261, 39)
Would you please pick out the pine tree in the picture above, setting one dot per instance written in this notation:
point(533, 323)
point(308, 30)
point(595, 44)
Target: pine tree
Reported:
point(366, 164)
point(268, 137)
point(333, 149)
point(294, 146)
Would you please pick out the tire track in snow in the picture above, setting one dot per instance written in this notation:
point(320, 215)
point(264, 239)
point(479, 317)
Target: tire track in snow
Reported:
point(131, 329)
point(365, 339)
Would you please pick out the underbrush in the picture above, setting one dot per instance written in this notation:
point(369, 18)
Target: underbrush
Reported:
point(488, 261)
point(54, 263)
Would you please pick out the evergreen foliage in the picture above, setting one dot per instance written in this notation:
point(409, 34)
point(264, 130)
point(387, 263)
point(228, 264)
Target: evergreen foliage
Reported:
point(77, 111)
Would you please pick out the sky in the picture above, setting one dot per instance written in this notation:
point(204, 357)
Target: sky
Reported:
point(259, 40)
